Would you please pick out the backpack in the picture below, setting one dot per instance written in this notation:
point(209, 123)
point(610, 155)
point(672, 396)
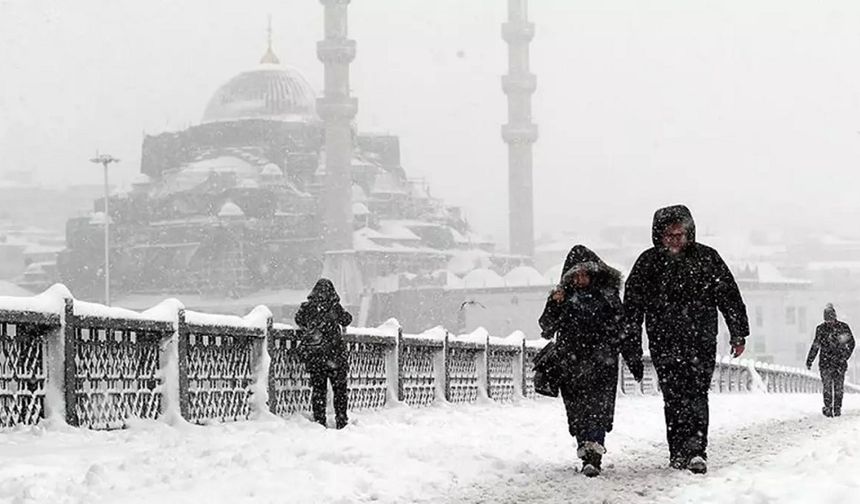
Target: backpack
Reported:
point(316, 350)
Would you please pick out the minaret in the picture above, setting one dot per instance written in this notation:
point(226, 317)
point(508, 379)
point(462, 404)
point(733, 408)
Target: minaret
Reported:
point(519, 133)
point(337, 109)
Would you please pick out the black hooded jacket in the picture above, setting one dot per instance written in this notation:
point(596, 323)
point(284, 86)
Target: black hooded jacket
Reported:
point(678, 296)
point(323, 311)
point(588, 325)
point(835, 342)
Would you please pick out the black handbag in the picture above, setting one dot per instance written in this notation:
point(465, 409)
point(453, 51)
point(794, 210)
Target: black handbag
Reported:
point(547, 372)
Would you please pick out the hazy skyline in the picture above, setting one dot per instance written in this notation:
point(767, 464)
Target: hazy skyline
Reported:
point(748, 112)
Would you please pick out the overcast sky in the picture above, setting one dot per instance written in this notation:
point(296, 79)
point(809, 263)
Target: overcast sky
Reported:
point(748, 111)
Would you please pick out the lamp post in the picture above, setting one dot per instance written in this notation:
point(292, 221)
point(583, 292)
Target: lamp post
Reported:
point(105, 160)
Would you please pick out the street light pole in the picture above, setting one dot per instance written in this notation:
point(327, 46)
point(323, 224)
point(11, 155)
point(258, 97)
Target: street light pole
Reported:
point(105, 160)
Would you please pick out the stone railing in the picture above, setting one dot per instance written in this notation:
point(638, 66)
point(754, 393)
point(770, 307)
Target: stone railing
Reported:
point(736, 375)
point(92, 366)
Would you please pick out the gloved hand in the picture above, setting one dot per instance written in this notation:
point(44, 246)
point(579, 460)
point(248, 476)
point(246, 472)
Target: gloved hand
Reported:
point(737, 350)
point(637, 369)
point(809, 365)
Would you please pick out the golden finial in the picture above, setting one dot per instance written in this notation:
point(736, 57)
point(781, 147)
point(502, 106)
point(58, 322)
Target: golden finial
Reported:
point(269, 57)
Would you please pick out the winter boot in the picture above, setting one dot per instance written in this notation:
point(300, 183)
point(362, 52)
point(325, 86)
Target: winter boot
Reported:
point(591, 454)
point(340, 423)
point(679, 463)
point(697, 465)
point(826, 411)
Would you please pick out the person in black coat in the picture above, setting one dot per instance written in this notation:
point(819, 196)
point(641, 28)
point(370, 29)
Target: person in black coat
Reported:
point(676, 287)
point(834, 340)
point(322, 317)
point(584, 312)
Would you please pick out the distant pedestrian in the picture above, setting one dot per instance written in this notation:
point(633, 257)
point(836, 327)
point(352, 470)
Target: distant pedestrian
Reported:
point(676, 287)
point(322, 320)
point(584, 313)
point(834, 340)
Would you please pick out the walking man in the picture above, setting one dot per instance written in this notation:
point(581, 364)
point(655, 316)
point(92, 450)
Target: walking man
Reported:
point(834, 340)
point(676, 287)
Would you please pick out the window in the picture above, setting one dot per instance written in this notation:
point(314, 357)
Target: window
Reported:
point(759, 316)
point(790, 316)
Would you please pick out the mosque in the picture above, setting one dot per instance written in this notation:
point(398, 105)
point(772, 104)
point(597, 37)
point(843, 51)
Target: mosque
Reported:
point(276, 186)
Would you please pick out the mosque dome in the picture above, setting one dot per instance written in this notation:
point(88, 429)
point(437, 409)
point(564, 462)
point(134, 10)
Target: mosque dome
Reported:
point(270, 91)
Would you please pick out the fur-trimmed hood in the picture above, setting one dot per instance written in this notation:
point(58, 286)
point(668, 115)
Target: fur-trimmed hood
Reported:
point(602, 275)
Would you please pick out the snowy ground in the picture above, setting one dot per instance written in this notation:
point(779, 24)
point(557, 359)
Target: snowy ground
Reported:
point(764, 448)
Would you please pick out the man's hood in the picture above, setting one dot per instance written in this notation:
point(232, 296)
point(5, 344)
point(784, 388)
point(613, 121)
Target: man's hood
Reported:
point(667, 216)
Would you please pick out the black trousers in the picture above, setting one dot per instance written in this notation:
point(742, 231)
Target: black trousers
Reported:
point(685, 386)
point(832, 381)
point(319, 392)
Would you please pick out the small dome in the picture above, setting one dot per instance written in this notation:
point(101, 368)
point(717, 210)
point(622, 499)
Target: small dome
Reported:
point(271, 170)
point(230, 209)
point(464, 261)
point(524, 276)
point(271, 91)
point(483, 278)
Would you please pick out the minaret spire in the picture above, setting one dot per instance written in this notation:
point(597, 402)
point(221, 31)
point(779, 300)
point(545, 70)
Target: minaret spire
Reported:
point(519, 132)
point(269, 57)
point(337, 109)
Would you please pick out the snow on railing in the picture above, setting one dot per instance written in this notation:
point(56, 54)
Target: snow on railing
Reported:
point(89, 365)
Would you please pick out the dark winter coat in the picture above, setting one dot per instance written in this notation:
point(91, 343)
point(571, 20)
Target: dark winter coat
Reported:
point(588, 326)
point(835, 342)
point(678, 296)
point(323, 312)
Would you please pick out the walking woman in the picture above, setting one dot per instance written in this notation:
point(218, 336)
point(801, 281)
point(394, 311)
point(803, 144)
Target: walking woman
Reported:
point(584, 313)
point(322, 319)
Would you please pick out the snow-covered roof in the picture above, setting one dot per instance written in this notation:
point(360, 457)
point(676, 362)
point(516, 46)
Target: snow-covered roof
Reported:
point(230, 209)
point(765, 273)
point(221, 164)
point(483, 278)
point(464, 261)
point(396, 230)
point(359, 208)
point(387, 183)
point(271, 170)
point(523, 276)
point(833, 265)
